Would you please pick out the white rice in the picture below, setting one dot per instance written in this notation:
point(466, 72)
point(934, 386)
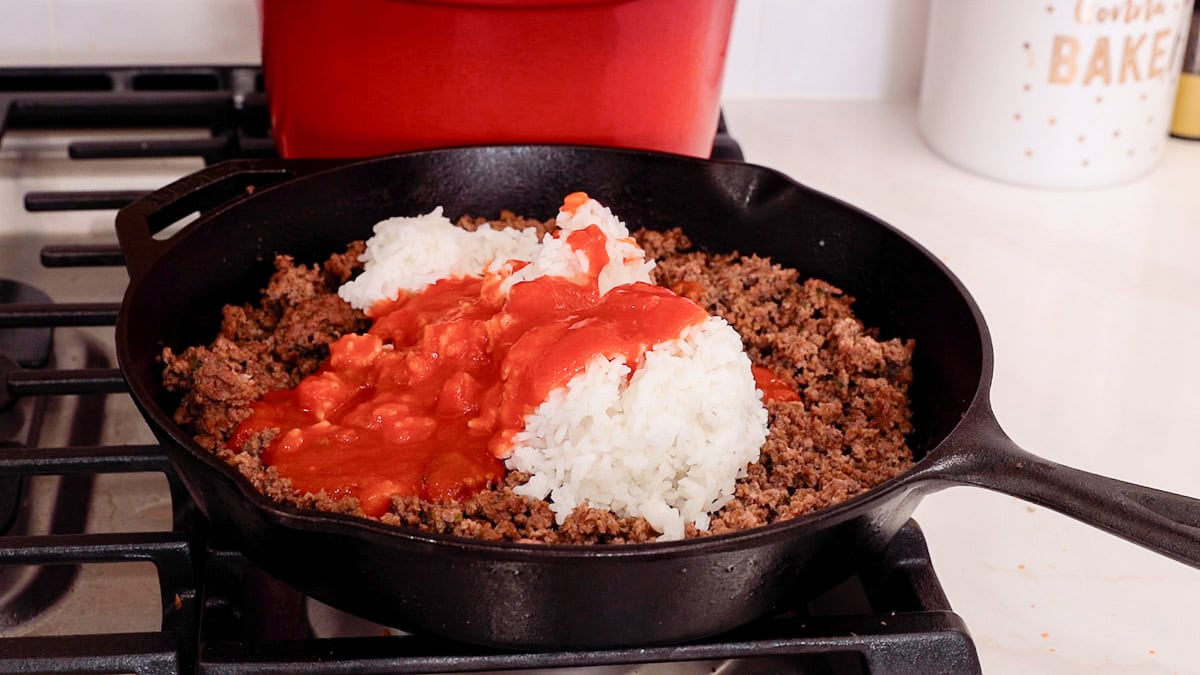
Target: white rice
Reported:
point(409, 254)
point(626, 260)
point(667, 444)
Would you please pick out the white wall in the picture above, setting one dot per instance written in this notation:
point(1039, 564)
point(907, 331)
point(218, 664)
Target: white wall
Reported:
point(126, 32)
point(779, 49)
point(826, 49)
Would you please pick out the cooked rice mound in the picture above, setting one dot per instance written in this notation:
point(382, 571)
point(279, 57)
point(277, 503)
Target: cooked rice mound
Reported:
point(667, 441)
point(410, 253)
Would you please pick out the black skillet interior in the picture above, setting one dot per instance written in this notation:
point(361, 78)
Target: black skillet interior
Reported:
point(584, 596)
point(724, 206)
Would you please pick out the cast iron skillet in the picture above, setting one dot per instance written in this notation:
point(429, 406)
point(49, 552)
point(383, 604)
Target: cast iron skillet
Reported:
point(529, 596)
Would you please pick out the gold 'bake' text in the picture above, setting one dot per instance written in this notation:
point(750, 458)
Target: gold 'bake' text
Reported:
point(1143, 57)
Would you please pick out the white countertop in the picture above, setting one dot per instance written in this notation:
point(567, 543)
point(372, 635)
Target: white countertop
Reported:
point(1093, 301)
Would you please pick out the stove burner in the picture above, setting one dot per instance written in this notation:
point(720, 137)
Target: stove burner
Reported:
point(19, 347)
point(7, 366)
point(29, 347)
point(11, 491)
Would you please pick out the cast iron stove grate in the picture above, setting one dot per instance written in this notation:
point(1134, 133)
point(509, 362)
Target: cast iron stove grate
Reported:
point(228, 101)
point(220, 614)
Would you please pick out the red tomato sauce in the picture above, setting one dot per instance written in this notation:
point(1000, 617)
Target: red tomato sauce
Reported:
point(773, 387)
point(430, 399)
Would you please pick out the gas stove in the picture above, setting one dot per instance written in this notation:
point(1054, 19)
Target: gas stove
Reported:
point(107, 566)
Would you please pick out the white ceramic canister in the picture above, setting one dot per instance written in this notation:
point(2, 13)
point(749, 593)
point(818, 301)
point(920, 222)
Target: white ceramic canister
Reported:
point(1052, 93)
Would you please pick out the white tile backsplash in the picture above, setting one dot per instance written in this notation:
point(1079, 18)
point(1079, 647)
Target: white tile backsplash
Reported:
point(867, 49)
point(126, 32)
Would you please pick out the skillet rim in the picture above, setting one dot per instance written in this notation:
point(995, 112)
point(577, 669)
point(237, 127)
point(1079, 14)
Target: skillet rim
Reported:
point(316, 521)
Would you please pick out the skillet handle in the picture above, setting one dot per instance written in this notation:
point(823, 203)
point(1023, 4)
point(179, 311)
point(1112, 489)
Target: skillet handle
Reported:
point(214, 187)
point(1163, 522)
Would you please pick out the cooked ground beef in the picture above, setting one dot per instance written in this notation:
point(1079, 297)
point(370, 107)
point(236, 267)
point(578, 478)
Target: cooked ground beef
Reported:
point(844, 436)
point(263, 347)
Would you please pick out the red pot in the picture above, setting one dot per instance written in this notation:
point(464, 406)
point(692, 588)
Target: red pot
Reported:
point(349, 79)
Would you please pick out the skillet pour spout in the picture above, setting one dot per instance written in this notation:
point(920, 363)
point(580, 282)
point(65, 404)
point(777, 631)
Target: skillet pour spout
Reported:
point(533, 596)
